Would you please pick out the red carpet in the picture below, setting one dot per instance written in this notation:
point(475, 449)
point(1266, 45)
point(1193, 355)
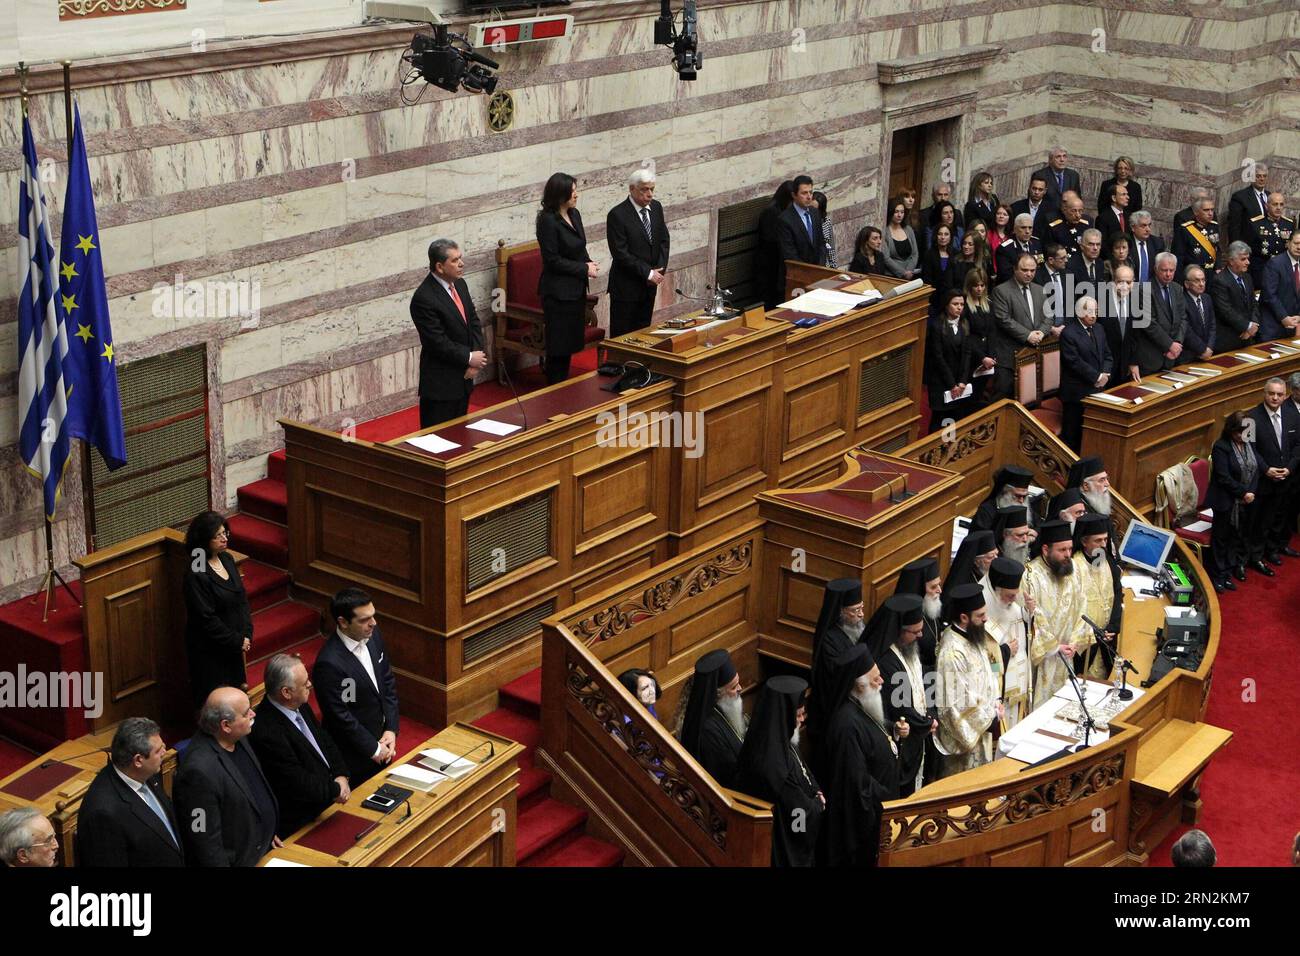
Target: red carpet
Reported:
point(1251, 792)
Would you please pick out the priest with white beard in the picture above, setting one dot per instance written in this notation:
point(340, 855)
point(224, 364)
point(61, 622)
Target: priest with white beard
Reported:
point(969, 689)
point(1103, 594)
point(713, 723)
point(1010, 487)
point(891, 636)
point(1058, 625)
point(1013, 534)
point(1068, 506)
point(1089, 476)
point(921, 577)
point(1008, 624)
point(839, 626)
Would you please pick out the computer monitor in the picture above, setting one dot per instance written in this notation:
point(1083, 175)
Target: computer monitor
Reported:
point(1146, 546)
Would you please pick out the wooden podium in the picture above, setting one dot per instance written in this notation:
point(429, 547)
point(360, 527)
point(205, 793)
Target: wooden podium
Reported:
point(1147, 431)
point(469, 821)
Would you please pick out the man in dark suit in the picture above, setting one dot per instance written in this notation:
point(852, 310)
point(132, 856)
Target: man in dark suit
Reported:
point(1248, 203)
point(1069, 228)
point(767, 256)
point(451, 342)
point(1201, 330)
point(225, 805)
point(1059, 177)
point(1058, 284)
point(1277, 441)
point(1087, 265)
point(1021, 318)
point(1112, 218)
point(1280, 300)
point(1235, 307)
point(1144, 247)
point(1268, 237)
point(356, 688)
point(306, 770)
point(1116, 320)
point(1086, 368)
point(800, 227)
point(1024, 244)
point(1158, 336)
point(1037, 206)
point(126, 819)
point(638, 242)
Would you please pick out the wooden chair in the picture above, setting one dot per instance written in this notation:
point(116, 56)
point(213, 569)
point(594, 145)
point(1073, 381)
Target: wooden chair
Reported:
point(519, 324)
point(1198, 540)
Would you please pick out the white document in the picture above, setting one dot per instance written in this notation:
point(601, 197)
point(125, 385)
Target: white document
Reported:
point(1197, 526)
point(966, 392)
point(1036, 748)
point(1247, 357)
point(1137, 582)
point(493, 427)
point(416, 777)
point(435, 759)
point(981, 372)
point(276, 861)
point(1113, 399)
point(432, 443)
point(960, 528)
point(825, 302)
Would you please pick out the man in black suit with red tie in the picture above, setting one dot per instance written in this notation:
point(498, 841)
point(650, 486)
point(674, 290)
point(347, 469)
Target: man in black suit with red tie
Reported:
point(451, 342)
point(638, 241)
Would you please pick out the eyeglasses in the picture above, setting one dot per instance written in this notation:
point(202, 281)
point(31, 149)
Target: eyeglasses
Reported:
point(49, 844)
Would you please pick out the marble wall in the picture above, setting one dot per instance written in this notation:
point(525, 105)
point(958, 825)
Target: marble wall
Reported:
point(294, 166)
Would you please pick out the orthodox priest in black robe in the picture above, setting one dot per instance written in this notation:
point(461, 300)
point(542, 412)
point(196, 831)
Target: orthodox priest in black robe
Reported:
point(863, 763)
point(772, 768)
point(1013, 533)
point(971, 561)
point(713, 727)
point(893, 644)
point(1089, 476)
point(1103, 594)
point(921, 577)
point(1068, 506)
point(1010, 487)
point(839, 627)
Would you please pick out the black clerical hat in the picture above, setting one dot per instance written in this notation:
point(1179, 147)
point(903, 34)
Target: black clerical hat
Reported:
point(1012, 516)
point(1053, 532)
point(906, 606)
point(1012, 475)
point(719, 665)
point(1091, 524)
point(1066, 499)
point(1006, 572)
point(1083, 469)
point(916, 575)
point(967, 598)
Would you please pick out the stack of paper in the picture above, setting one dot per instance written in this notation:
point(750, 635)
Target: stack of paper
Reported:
point(493, 427)
point(826, 302)
point(436, 760)
point(432, 443)
point(417, 778)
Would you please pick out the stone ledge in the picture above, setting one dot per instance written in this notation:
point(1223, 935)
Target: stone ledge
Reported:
point(926, 66)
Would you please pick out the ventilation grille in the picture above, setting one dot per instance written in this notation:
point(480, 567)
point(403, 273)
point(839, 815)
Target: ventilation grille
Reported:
point(165, 479)
point(884, 379)
point(737, 246)
point(499, 542)
point(509, 631)
point(891, 446)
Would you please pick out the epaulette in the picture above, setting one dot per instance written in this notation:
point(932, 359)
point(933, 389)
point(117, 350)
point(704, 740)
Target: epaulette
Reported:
point(1055, 222)
point(1257, 218)
point(1190, 222)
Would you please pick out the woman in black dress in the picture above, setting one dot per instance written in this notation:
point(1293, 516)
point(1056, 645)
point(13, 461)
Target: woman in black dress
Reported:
point(935, 266)
point(1124, 170)
point(218, 621)
point(1235, 470)
point(949, 365)
point(866, 253)
point(566, 269)
point(978, 316)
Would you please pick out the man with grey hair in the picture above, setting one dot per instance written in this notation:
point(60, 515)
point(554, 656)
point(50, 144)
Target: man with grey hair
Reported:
point(1268, 236)
point(1086, 367)
point(1187, 212)
point(638, 242)
point(1087, 266)
point(451, 342)
point(1023, 243)
point(1199, 339)
point(1158, 338)
point(1059, 177)
point(1276, 440)
point(1196, 240)
point(126, 817)
point(306, 769)
point(1144, 248)
point(1248, 203)
point(227, 809)
point(1067, 230)
point(1235, 308)
point(27, 839)
point(1193, 849)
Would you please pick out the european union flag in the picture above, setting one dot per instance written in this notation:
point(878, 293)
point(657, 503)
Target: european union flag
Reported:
point(94, 405)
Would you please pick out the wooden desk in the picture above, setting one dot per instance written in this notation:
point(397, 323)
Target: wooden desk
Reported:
point(60, 800)
point(1162, 430)
point(469, 821)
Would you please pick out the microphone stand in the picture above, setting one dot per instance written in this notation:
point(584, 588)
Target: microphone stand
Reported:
point(1115, 660)
point(1083, 703)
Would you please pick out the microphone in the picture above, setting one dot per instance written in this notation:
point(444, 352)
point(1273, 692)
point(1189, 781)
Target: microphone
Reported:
point(480, 58)
point(505, 370)
point(491, 753)
point(1083, 703)
point(1115, 660)
point(45, 765)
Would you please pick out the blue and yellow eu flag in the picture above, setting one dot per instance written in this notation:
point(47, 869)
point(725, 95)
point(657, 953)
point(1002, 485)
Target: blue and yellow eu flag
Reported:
point(90, 370)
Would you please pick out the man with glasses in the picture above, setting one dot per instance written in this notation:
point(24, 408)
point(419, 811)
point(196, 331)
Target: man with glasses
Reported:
point(1010, 488)
point(27, 839)
point(1198, 343)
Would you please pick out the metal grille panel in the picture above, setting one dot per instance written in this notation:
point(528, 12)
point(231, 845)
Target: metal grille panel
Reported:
point(891, 446)
point(737, 244)
point(509, 631)
point(165, 479)
point(499, 542)
point(884, 379)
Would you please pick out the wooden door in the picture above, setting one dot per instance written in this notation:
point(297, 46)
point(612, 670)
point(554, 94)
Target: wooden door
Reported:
point(905, 161)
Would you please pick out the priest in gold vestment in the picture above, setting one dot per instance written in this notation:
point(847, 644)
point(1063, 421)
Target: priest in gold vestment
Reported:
point(968, 689)
point(1057, 593)
point(1008, 624)
point(1103, 597)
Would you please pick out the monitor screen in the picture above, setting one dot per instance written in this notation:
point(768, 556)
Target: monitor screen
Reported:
point(1146, 546)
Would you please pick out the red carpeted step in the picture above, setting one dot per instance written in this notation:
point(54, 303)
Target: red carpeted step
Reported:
point(282, 626)
point(391, 426)
point(265, 585)
point(307, 650)
point(534, 787)
point(582, 850)
point(275, 465)
point(12, 756)
point(507, 723)
point(267, 499)
point(523, 695)
point(544, 823)
point(260, 539)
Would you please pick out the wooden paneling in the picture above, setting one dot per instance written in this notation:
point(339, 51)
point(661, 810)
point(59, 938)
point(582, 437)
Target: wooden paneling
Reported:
point(353, 539)
point(815, 412)
point(132, 643)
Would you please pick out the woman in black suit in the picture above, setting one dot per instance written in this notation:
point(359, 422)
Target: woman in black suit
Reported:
point(218, 620)
point(936, 266)
point(978, 316)
point(866, 253)
point(1234, 477)
point(949, 347)
point(1124, 170)
point(981, 201)
point(566, 269)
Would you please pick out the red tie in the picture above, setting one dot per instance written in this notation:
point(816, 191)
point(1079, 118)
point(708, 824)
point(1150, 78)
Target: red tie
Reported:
point(1121, 223)
point(459, 306)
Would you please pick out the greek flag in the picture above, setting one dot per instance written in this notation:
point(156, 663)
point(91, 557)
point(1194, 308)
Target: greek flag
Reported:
point(42, 339)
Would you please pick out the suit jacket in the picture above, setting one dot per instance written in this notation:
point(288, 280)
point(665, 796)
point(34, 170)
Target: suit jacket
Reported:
point(1134, 195)
point(1108, 223)
point(232, 831)
point(767, 256)
point(1084, 358)
point(115, 827)
point(635, 255)
point(1167, 324)
point(1053, 190)
point(1199, 334)
point(355, 724)
point(1279, 298)
point(1155, 246)
point(1011, 316)
point(1077, 268)
point(795, 241)
point(973, 210)
point(1046, 213)
point(564, 257)
point(1285, 455)
point(1119, 340)
point(1242, 207)
point(948, 356)
point(1226, 486)
point(1010, 250)
point(446, 339)
point(303, 783)
point(1234, 309)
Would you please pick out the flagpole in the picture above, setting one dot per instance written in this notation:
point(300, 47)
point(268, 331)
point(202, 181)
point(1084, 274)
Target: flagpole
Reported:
point(87, 473)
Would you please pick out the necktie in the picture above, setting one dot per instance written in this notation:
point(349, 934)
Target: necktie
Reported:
point(1241, 285)
point(1201, 309)
point(1164, 290)
point(459, 305)
point(1091, 278)
point(152, 803)
point(1029, 303)
point(645, 222)
point(1121, 223)
point(302, 727)
point(1123, 318)
point(1295, 271)
point(1060, 182)
point(1263, 202)
point(807, 224)
point(1142, 262)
